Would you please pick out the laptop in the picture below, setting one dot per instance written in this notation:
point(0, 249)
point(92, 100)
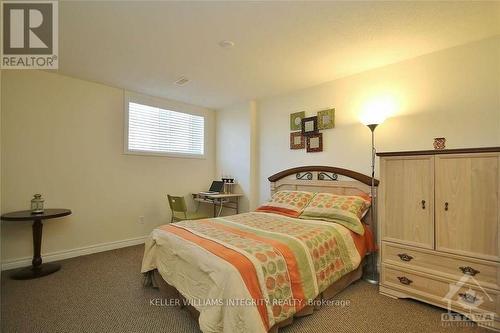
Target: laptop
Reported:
point(216, 188)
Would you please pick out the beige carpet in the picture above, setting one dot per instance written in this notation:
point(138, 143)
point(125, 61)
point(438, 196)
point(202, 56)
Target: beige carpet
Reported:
point(103, 293)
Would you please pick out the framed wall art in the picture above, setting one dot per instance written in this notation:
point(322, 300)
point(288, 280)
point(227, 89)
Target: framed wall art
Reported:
point(314, 143)
point(326, 119)
point(296, 120)
point(309, 125)
point(297, 141)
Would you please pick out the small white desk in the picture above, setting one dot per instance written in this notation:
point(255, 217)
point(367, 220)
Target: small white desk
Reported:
point(229, 200)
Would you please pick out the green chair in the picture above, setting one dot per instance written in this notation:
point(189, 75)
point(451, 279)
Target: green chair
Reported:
point(179, 210)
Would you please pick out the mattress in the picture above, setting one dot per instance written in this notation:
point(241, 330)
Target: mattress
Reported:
point(248, 272)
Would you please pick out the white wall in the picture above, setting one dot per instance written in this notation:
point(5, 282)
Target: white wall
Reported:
point(63, 137)
point(0, 162)
point(453, 93)
point(254, 156)
point(236, 149)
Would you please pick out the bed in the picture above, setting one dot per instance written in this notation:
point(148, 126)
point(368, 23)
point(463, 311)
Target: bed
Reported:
point(256, 271)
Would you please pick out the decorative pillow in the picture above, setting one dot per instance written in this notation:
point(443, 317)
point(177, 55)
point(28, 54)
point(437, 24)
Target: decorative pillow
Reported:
point(288, 203)
point(343, 209)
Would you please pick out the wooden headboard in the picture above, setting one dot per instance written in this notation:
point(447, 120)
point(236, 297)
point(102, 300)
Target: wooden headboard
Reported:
point(322, 179)
point(325, 179)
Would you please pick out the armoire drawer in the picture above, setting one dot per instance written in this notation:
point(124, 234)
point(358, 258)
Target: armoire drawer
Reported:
point(487, 273)
point(440, 290)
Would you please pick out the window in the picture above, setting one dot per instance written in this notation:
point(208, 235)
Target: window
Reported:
point(155, 130)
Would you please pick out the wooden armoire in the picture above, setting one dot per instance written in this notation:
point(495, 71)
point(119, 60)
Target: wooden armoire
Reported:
point(439, 226)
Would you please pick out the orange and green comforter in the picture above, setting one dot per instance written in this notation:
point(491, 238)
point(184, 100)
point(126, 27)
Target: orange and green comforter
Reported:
point(276, 262)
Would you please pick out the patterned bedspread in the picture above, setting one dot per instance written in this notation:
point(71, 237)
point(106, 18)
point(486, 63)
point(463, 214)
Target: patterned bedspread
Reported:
point(260, 267)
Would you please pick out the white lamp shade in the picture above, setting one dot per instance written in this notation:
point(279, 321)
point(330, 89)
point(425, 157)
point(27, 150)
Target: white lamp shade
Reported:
point(377, 110)
point(373, 118)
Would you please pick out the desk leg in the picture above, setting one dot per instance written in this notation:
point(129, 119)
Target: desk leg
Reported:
point(37, 269)
point(237, 205)
point(221, 203)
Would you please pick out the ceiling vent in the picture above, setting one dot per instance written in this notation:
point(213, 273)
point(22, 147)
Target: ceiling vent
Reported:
point(226, 44)
point(181, 81)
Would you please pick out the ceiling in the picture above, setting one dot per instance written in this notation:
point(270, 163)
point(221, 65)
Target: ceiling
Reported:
point(280, 46)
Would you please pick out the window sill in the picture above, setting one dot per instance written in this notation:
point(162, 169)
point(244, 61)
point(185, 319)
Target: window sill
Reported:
point(158, 154)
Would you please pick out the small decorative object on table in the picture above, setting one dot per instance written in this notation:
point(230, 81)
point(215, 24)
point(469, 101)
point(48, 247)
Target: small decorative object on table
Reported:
point(37, 204)
point(439, 143)
point(228, 184)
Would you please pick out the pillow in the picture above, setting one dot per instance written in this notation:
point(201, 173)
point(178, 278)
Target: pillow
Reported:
point(343, 209)
point(288, 203)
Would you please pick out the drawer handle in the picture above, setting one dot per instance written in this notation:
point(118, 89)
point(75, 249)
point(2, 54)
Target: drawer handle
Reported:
point(404, 280)
point(423, 204)
point(446, 206)
point(466, 297)
point(405, 257)
point(469, 270)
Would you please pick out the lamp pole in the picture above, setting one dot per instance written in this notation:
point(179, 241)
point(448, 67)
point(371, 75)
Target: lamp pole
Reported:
point(373, 275)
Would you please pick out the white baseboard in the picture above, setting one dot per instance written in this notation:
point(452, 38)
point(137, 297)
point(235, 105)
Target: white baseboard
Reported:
point(81, 251)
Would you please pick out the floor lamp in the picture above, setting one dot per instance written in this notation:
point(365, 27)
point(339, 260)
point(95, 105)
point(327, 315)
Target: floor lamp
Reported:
point(372, 276)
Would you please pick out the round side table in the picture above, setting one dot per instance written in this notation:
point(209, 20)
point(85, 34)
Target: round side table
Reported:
point(37, 269)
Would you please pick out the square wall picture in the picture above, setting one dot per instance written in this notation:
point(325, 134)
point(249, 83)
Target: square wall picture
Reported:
point(309, 125)
point(326, 119)
point(297, 140)
point(315, 143)
point(296, 120)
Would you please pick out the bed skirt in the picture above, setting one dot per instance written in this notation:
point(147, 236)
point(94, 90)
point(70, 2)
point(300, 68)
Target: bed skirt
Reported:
point(154, 279)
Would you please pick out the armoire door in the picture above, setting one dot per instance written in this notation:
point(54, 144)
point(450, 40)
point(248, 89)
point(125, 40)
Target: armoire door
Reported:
point(467, 204)
point(408, 200)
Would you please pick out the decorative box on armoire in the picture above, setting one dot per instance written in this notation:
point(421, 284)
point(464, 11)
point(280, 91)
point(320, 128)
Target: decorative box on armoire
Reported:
point(439, 223)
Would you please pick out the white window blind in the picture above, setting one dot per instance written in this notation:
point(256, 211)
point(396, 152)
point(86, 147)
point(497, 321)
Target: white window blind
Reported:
point(153, 129)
